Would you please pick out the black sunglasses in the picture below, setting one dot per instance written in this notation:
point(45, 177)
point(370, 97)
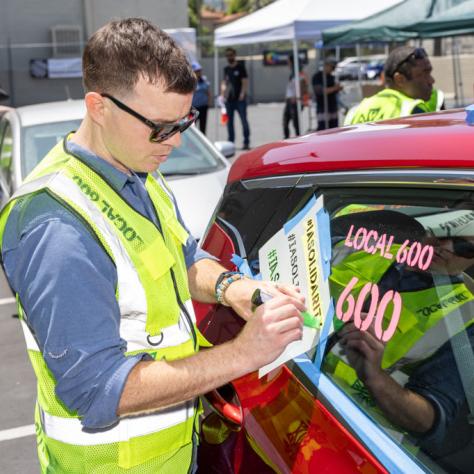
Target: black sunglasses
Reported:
point(417, 53)
point(462, 247)
point(159, 131)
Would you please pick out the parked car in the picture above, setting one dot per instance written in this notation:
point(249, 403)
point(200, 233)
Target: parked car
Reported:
point(196, 171)
point(400, 200)
point(374, 68)
point(364, 67)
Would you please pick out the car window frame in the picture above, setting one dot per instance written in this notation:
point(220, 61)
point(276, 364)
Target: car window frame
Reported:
point(319, 384)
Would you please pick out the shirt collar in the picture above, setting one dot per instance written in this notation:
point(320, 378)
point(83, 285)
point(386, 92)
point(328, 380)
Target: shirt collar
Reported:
point(116, 178)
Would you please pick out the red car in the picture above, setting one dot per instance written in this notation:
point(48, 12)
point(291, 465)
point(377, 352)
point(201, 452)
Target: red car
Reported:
point(390, 386)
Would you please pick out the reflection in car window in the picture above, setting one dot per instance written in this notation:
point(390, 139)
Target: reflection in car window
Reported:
point(39, 139)
point(402, 283)
point(402, 279)
point(194, 156)
point(6, 150)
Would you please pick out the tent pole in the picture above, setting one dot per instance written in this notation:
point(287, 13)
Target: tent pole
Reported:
point(325, 93)
point(455, 74)
point(296, 72)
point(216, 89)
point(458, 62)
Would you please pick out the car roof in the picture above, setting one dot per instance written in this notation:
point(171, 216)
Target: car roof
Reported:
point(51, 112)
point(439, 140)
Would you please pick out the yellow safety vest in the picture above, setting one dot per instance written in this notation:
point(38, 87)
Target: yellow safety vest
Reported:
point(157, 317)
point(434, 103)
point(386, 104)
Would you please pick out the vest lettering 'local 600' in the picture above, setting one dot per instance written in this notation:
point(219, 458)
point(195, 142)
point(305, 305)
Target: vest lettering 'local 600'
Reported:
point(155, 305)
point(386, 104)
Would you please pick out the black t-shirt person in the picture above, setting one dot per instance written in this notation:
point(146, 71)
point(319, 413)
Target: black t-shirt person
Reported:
point(233, 76)
point(319, 86)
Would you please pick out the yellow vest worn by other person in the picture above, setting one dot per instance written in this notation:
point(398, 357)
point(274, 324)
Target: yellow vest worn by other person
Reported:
point(157, 317)
point(386, 104)
point(420, 331)
point(435, 103)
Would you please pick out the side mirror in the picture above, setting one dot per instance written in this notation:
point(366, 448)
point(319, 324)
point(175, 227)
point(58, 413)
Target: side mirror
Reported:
point(226, 148)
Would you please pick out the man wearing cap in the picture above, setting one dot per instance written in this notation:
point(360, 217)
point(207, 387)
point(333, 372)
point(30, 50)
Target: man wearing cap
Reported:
point(409, 84)
point(202, 95)
point(325, 91)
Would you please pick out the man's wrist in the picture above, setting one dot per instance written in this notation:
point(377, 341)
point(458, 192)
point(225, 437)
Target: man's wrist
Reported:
point(224, 280)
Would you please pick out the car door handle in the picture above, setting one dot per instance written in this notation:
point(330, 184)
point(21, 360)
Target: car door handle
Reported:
point(229, 410)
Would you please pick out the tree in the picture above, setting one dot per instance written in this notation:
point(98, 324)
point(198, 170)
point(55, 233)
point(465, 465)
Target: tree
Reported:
point(246, 6)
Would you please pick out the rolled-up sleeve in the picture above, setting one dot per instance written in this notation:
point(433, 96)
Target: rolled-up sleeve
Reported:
point(66, 284)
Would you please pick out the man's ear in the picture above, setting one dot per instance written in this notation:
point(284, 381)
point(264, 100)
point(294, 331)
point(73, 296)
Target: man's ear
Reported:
point(95, 105)
point(399, 80)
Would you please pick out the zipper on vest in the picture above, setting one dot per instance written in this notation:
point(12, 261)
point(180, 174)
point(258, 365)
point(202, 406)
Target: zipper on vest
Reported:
point(175, 286)
point(184, 310)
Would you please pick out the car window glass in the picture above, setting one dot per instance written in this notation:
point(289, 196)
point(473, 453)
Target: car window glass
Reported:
point(6, 151)
point(39, 139)
point(402, 280)
point(194, 156)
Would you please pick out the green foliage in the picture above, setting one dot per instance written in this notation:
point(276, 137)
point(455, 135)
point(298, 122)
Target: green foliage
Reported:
point(193, 13)
point(246, 6)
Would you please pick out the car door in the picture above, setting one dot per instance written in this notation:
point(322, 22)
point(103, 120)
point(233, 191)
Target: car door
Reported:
point(394, 259)
point(6, 153)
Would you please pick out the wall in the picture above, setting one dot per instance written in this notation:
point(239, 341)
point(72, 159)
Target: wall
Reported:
point(25, 34)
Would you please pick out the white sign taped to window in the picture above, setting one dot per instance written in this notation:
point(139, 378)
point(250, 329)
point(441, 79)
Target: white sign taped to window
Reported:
point(300, 254)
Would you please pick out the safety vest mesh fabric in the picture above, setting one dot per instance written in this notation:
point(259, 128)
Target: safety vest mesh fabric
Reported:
point(144, 444)
point(386, 104)
point(434, 103)
point(414, 324)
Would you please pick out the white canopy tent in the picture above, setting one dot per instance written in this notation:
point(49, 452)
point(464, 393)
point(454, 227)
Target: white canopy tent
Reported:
point(293, 20)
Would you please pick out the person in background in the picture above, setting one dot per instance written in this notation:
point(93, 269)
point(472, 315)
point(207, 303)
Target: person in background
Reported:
point(290, 113)
point(330, 88)
point(409, 84)
point(234, 89)
point(202, 96)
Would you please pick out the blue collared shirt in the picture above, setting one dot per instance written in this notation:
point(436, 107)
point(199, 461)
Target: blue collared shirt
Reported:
point(66, 284)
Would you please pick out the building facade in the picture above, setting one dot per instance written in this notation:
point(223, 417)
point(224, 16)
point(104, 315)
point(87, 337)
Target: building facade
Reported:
point(33, 32)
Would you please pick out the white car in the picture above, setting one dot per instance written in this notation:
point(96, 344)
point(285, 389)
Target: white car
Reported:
point(196, 171)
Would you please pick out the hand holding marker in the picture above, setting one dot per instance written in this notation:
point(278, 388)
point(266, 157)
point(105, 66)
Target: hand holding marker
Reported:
point(259, 297)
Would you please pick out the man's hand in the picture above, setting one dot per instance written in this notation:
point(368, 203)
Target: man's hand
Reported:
point(239, 294)
point(364, 352)
point(271, 328)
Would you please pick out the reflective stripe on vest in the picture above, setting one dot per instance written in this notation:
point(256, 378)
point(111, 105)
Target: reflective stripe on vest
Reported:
point(386, 104)
point(69, 430)
point(172, 340)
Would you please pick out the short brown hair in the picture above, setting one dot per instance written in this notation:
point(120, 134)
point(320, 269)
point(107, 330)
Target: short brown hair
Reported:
point(121, 51)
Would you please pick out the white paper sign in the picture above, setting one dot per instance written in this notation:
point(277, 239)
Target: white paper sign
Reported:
point(295, 255)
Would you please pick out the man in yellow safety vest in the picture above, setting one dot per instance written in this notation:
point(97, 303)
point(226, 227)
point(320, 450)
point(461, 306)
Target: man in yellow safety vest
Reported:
point(104, 271)
point(409, 83)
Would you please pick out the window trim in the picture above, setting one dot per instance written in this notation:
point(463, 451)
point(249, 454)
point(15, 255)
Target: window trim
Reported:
point(441, 177)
